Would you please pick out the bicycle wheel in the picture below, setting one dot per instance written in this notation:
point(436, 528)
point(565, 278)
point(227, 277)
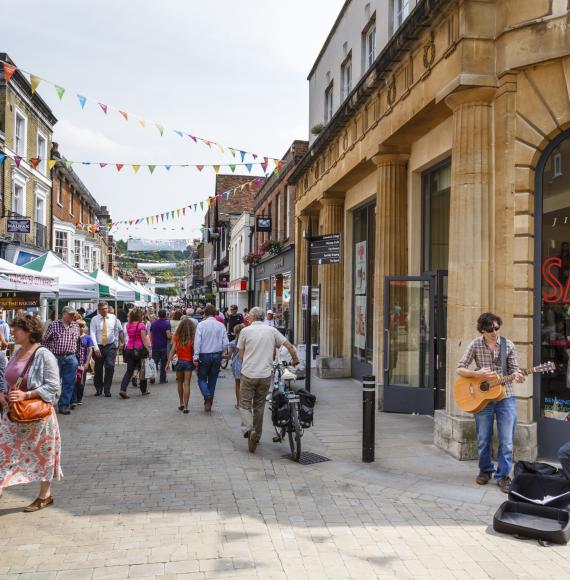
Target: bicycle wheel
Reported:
point(295, 434)
point(224, 363)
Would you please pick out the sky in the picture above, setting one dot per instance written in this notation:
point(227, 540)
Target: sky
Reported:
point(231, 72)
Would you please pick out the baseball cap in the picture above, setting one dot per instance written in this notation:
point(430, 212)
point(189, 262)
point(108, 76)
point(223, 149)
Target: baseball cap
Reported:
point(270, 312)
point(68, 310)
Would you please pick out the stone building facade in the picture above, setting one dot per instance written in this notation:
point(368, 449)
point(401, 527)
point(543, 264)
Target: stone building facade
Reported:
point(27, 123)
point(439, 171)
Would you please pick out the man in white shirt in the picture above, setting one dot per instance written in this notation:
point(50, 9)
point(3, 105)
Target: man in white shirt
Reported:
point(257, 344)
point(106, 336)
point(270, 320)
point(210, 343)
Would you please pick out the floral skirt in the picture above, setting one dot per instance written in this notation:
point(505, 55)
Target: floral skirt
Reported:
point(29, 451)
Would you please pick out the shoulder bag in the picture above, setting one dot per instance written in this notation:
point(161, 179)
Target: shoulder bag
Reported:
point(28, 410)
point(140, 353)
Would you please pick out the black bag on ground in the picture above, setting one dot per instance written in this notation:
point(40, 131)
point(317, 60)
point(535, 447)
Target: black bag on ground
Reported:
point(280, 410)
point(543, 490)
point(546, 524)
point(306, 408)
point(537, 468)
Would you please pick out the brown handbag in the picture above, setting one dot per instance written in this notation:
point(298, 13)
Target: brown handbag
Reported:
point(28, 410)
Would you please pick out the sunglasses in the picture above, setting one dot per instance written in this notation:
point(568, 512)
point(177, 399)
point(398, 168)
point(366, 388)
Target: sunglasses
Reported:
point(492, 329)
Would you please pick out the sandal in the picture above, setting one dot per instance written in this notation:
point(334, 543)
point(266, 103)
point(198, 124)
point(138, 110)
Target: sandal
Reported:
point(186, 411)
point(39, 504)
point(181, 408)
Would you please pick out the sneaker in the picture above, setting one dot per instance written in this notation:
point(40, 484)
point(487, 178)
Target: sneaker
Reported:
point(107, 394)
point(484, 477)
point(73, 405)
point(505, 484)
point(64, 411)
point(252, 441)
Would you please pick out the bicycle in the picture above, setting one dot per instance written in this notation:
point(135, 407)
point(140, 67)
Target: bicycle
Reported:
point(289, 422)
point(226, 359)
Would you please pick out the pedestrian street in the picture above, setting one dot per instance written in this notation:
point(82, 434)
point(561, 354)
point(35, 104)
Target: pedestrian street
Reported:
point(151, 493)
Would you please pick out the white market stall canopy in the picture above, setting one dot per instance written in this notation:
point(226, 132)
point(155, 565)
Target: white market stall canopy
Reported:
point(73, 284)
point(120, 289)
point(146, 294)
point(18, 279)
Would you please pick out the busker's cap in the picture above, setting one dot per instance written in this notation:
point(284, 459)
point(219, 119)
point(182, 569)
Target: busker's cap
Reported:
point(68, 310)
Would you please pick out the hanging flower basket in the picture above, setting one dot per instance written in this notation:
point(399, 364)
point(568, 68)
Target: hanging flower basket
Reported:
point(251, 258)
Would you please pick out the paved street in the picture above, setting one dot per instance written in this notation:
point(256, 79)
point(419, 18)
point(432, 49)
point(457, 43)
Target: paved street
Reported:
point(151, 493)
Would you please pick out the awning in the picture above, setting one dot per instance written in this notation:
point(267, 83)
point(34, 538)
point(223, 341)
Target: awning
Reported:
point(120, 290)
point(18, 279)
point(73, 284)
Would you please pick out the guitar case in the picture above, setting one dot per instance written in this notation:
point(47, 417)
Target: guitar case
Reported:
point(530, 521)
point(538, 489)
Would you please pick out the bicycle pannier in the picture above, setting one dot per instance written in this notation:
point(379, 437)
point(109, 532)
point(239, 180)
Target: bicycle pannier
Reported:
point(280, 411)
point(306, 408)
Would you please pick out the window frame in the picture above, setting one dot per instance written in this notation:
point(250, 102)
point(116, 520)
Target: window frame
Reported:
point(346, 88)
point(24, 152)
point(77, 256)
point(71, 194)
point(329, 102)
point(65, 236)
point(43, 160)
point(368, 32)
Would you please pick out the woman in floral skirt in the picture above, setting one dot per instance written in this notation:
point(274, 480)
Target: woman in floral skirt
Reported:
point(30, 451)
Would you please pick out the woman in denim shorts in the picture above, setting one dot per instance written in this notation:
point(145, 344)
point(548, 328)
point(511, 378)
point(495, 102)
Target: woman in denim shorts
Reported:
point(183, 348)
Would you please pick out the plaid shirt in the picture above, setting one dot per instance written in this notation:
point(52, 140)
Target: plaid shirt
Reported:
point(483, 356)
point(61, 339)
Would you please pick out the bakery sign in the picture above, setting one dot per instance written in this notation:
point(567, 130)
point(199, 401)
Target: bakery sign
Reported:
point(17, 302)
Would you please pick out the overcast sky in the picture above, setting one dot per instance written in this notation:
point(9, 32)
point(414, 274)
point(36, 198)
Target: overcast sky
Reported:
point(233, 72)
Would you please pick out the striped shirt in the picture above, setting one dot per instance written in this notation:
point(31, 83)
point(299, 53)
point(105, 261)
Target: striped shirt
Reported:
point(484, 357)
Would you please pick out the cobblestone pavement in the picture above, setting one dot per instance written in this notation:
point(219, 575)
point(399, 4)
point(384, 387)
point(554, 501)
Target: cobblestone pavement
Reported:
point(151, 493)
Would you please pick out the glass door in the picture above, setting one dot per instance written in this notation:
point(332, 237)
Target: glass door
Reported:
point(408, 344)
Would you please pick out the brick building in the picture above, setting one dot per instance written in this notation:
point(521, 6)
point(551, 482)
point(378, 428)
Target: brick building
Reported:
point(223, 212)
point(25, 185)
point(274, 273)
point(76, 239)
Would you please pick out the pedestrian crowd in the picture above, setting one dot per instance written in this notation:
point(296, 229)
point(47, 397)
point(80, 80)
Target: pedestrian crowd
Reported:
point(52, 362)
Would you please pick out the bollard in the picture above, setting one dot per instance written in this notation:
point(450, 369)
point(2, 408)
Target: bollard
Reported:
point(368, 417)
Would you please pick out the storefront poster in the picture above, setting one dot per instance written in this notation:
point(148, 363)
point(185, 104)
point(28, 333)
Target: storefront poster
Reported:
point(19, 301)
point(360, 268)
point(360, 322)
point(556, 408)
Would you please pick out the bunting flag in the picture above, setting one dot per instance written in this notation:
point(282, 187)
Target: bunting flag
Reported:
point(35, 161)
point(119, 166)
point(181, 212)
point(35, 82)
point(51, 164)
point(136, 168)
point(9, 70)
point(17, 160)
point(2, 157)
point(151, 168)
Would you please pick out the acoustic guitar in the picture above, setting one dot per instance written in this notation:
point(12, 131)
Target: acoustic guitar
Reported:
point(473, 394)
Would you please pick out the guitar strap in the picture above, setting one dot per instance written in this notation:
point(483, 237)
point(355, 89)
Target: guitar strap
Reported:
point(503, 354)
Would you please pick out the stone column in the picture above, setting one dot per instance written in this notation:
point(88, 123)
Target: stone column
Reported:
point(471, 238)
point(391, 246)
point(331, 363)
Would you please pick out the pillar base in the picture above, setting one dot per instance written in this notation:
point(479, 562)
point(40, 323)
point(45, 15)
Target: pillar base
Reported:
point(457, 436)
point(332, 367)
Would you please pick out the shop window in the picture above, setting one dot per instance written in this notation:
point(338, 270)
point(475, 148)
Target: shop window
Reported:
point(363, 283)
point(435, 216)
point(554, 398)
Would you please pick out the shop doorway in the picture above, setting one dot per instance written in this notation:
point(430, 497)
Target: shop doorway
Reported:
point(414, 343)
point(552, 296)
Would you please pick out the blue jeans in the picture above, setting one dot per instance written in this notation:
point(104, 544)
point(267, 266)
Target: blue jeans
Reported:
point(208, 372)
point(506, 414)
point(67, 372)
point(160, 356)
point(3, 362)
point(564, 458)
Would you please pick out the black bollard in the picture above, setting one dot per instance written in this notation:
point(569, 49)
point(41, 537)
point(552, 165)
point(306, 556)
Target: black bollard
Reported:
point(368, 417)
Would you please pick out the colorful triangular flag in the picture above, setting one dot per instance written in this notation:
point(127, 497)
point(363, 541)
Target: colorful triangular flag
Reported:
point(193, 138)
point(201, 205)
point(101, 165)
point(233, 152)
point(264, 164)
point(248, 167)
point(232, 167)
point(216, 168)
point(104, 107)
point(179, 132)
point(160, 129)
point(51, 163)
point(125, 115)
point(60, 91)
point(151, 168)
point(69, 164)
point(35, 161)
point(82, 100)
point(119, 166)
point(199, 167)
point(17, 160)
point(242, 153)
point(35, 82)
point(136, 168)
point(9, 70)
point(142, 122)
point(168, 167)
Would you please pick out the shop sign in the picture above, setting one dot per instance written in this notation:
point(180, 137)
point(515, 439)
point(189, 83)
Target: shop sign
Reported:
point(556, 290)
point(19, 226)
point(279, 263)
point(21, 301)
point(263, 223)
point(325, 249)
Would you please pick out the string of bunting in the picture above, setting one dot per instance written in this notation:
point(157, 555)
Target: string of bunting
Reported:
point(181, 211)
point(35, 80)
point(35, 161)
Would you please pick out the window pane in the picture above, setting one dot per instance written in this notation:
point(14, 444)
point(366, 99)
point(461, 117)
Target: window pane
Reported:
point(437, 190)
point(555, 311)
